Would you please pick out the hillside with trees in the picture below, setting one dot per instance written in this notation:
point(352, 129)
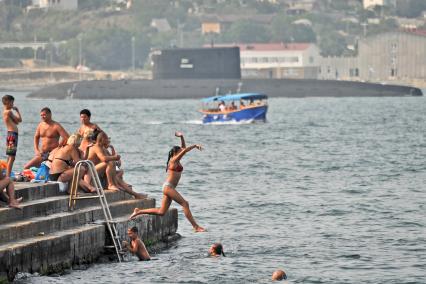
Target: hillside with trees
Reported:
point(105, 34)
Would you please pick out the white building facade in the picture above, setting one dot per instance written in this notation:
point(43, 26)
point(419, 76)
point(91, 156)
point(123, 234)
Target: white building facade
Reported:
point(57, 4)
point(372, 3)
point(279, 60)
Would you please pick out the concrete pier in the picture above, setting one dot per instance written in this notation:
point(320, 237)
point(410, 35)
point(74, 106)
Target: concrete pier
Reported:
point(47, 237)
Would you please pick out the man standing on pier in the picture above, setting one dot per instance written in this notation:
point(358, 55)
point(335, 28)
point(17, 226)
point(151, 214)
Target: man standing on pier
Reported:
point(50, 132)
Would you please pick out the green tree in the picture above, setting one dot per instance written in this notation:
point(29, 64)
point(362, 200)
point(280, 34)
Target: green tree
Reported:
point(246, 31)
point(332, 44)
point(8, 13)
point(410, 8)
point(283, 30)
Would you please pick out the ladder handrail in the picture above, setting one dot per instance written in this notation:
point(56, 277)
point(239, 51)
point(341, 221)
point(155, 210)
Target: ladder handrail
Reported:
point(102, 199)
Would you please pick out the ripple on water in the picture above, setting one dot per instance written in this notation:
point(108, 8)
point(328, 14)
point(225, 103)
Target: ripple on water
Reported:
point(331, 190)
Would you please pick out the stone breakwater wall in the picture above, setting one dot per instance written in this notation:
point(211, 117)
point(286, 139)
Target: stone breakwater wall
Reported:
point(47, 237)
point(200, 88)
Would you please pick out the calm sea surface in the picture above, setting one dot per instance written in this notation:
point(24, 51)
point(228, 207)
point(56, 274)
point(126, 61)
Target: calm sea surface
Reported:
point(332, 190)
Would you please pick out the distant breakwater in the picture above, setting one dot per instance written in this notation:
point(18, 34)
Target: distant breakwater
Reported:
point(199, 88)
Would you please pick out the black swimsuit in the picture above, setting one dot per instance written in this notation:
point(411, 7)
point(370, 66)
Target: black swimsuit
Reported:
point(68, 162)
point(55, 177)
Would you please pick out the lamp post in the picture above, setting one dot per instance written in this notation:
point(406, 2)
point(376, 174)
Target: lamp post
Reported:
point(79, 56)
point(133, 54)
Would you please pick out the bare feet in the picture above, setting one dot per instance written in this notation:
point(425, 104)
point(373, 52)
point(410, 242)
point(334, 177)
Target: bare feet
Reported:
point(6, 197)
point(199, 229)
point(134, 214)
point(113, 188)
point(91, 190)
point(15, 205)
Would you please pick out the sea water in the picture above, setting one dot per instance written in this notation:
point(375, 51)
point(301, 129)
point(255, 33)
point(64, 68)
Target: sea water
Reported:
point(332, 190)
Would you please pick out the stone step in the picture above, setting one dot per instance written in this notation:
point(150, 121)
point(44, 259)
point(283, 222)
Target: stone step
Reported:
point(44, 225)
point(52, 205)
point(53, 252)
point(63, 249)
point(152, 229)
point(34, 191)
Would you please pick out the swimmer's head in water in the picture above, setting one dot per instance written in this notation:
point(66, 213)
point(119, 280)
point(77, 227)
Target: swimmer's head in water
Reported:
point(172, 152)
point(133, 232)
point(216, 250)
point(279, 275)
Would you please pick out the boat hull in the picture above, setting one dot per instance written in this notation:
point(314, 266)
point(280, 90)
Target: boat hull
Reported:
point(245, 115)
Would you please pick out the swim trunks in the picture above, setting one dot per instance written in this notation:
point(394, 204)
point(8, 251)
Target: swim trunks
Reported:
point(11, 143)
point(45, 156)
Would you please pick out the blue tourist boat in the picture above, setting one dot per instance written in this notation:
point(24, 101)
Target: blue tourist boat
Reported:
point(245, 107)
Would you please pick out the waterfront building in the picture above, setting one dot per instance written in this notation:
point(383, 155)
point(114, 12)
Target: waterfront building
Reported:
point(56, 4)
point(212, 23)
point(279, 60)
point(398, 57)
point(368, 4)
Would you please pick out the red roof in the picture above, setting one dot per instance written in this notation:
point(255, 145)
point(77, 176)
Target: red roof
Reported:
point(268, 46)
point(416, 32)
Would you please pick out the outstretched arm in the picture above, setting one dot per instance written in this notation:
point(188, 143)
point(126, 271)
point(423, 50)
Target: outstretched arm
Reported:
point(186, 150)
point(182, 140)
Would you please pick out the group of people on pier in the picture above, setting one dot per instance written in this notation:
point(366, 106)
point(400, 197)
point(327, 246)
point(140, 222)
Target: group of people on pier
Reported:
point(60, 152)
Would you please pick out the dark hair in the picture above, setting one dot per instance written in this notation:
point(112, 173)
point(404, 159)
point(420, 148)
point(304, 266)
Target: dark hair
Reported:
point(46, 110)
point(134, 229)
point(7, 98)
point(172, 152)
point(86, 112)
point(218, 249)
point(95, 134)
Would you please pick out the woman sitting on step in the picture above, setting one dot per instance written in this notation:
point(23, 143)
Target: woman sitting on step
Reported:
point(105, 163)
point(63, 161)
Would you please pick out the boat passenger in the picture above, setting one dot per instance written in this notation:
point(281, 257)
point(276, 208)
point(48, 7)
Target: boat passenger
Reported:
point(251, 102)
point(64, 160)
point(233, 106)
point(222, 106)
point(174, 169)
point(216, 250)
point(242, 105)
point(136, 246)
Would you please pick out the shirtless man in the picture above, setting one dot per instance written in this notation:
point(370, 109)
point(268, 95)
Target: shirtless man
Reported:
point(136, 246)
point(86, 129)
point(105, 165)
point(50, 133)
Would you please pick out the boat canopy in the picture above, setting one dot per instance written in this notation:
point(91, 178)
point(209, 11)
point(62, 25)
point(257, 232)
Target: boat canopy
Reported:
point(235, 97)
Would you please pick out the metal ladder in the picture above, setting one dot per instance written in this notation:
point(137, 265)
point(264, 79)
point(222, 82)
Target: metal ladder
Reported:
point(102, 199)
